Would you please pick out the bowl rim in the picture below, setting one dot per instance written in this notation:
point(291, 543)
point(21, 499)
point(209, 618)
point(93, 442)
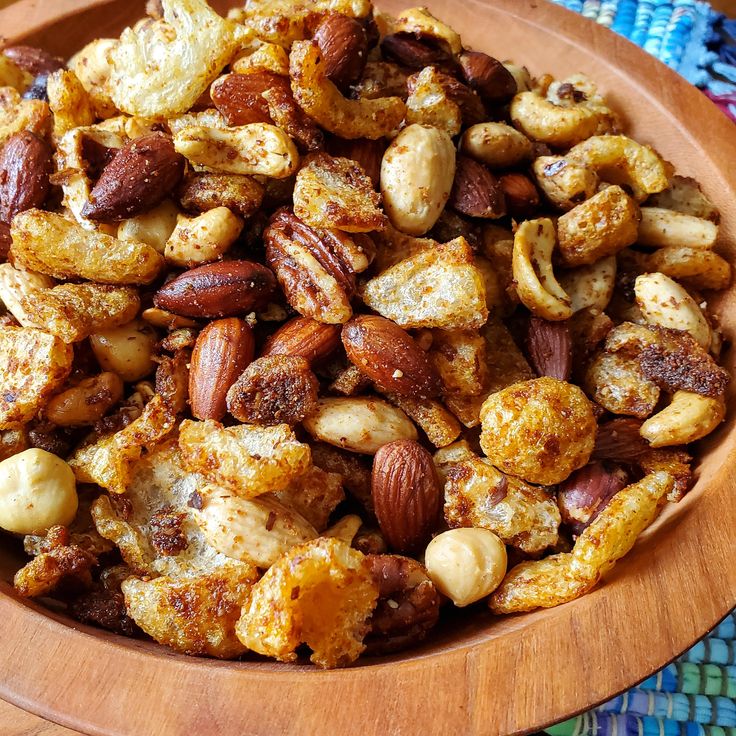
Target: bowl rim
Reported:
point(471, 661)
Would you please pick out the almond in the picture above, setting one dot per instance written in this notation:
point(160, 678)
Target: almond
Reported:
point(487, 76)
point(223, 289)
point(239, 97)
point(522, 197)
point(344, 46)
point(366, 152)
point(33, 60)
point(222, 352)
point(25, 167)
point(5, 240)
point(303, 337)
point(413, 52)
point(407, 495)
point(619, 439)
point(475, 191)
point(587, 491)
point(389, 356)
point(143, 173)
point(550, 348)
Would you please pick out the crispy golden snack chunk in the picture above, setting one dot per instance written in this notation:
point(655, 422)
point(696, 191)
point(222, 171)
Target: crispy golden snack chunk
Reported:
point(247, 459)
point(479, 495)
point(51, 244)
point(321, 594)
point(434, 288)
point(323, 101)
point(75, 311)
point(440, 426)
point(461, 357)
point(337, 193)
point(34, 366)
point(674, 461)
point(109, 460)
point(539, 430)
point(17, 114)
point(161, 68)
point(564, 577)
point(69, 101)
point(315, 495)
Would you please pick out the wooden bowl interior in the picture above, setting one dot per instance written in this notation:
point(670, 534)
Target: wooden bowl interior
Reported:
point(493, 675)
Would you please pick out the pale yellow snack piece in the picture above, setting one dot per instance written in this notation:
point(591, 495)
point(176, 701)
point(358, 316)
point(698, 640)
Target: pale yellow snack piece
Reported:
point(69, 102)
point(315, 495)
point(17, 114)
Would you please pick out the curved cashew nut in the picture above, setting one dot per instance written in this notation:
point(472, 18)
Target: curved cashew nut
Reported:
point(536, 284)
point(688, 417)
point(620, 160)
point(257, 148)
point(706, 268)
point(661, 228)
point(590, 286)
point(564, 183)
point(322, 101)
point(665, 303)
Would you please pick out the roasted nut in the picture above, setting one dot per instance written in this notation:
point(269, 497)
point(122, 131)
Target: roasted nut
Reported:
point(223, 350)
point(279, 389)
point(33, 60)
point(168, 321)
point(429, 102)
point(564, 183)
point(701, 269)
point(688, 417)
point(496, 144)
point(217, 290)
point(365, 152)
point(126, 350)
point(344, 47)
point(549, 345)
point(86, 402)
point(538, 430)
point(421, 23)
point(303, 337)
point(685, 195)
point(661, 228)
point(487, 76)
point(25, 166)
point(153, 228)
point(412, 52)
point(406, 493)
point(240, 194)
point(466, 564)
point(475, 191)
point(381, 79)
point(520, 194)
point(239, 97)
point(619, 440)
point(590, 286)
point(92, 68)
point(38, 491)
point(358, 424)
point(440, 426)
point(202, 239)
point(417, 173)
point(389, 356)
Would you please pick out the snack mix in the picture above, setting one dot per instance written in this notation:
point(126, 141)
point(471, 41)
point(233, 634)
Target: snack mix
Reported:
point(317, 324)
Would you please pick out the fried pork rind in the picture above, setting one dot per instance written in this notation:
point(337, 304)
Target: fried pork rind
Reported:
point(523, 516)
point(461, 359)
point(564, 577)
point(323, 101)
point(430, 104)
point(161, 68)
point(434, 288)
point(75, 311)
point(315, 495)
point(675, 462)
point(336, 193)
point(109, 461)
point(685, 195)
point(17, 114)
point(69, 101)
point(51, 244)
point(321, 594)
point(93, 68)
point(440, 426)
point(246, 459)
point(11, 75)
point(35, 365)
point(17, 285)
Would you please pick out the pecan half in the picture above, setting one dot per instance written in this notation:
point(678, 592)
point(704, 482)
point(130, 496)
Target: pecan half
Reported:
point(33, 60)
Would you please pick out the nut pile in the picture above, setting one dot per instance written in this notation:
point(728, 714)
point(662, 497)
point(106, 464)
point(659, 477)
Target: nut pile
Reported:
point(317, 323)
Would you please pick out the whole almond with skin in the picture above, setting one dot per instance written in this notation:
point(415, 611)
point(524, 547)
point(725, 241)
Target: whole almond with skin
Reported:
point(5, 240)
point(522, 197)
point(475, 191)
point(223, 350)
point(344, 46)
point(239, 97)
point(143, 173)
point(406, 493)
point(619, 439)
point(366, 152)
point(25, 167)
point(388, 355)
point(415, 53)
point(222, 289)
point(487, 76)
point(549, 345)
point(303, 337)
point(33, 60)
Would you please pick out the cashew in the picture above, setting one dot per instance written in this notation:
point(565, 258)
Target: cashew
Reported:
point(466, 564)
point(703, 268)
point(496, 144)
point(661, 228)
point(17, 284)
point(520, 74)
point(93, 69)
point(685, 195)
point(324, 103)
point(421, 22)
point(688, 417)
point(429, 104)
point(590, 286)
point(166, 320)
point(258, 148)
point(345, 528)
point(204, 238)
point(536, 284)
point(621, 160)
point(153, 228)
point(86, 402)
point(664, 302)
point(126, 350)
point(564, 183)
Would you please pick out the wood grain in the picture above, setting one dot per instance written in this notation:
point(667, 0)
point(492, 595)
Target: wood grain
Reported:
point(17, 722)
point(479, 675)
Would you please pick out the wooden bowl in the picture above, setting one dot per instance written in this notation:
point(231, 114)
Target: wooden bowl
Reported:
point(479, 675)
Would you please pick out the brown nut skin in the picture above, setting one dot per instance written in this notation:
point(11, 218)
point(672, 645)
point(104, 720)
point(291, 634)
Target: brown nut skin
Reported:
point(278, 389)
point(25, 167)
point(367, 153)
point(522, 197)
point(549, 346)
point(222, 289)
point(344, 46)
point(413, 52)
point(388, 355)
point(408, 605)
point(143, 173)
point(539, 430)
point(487, 76)
point(476, 192)
point(587, 491)
point(407, 495)
point(5, 240)
point(239, 97)
point(33, 60)
point(223, 350)
point(305, 338)
point(619, 439)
